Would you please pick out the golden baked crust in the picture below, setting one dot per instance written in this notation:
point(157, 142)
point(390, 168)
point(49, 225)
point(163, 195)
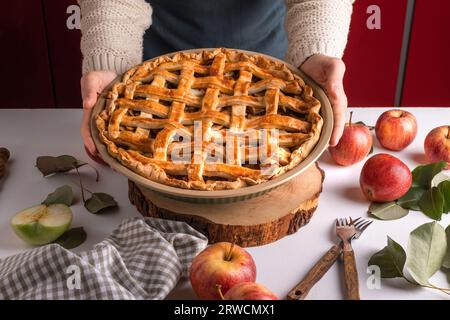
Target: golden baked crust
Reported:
point(253, 119)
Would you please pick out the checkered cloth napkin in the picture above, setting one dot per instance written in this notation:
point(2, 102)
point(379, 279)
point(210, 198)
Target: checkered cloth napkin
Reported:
point(141, 259)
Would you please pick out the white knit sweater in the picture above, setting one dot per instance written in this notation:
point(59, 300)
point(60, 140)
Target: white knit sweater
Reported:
point(112, 31)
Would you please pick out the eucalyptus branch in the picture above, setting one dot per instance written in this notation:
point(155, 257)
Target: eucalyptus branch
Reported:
point(77, 184)
point(81, 184)
point(97, 175)
point(444, 290)
point(98, 201)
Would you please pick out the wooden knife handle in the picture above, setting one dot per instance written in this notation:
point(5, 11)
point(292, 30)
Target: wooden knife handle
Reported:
point(300, 291)
point(350, 276)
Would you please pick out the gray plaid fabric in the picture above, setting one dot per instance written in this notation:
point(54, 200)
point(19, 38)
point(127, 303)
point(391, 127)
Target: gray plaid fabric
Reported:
point(141, 259)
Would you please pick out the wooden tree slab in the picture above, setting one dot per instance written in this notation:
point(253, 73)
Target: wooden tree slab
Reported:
point(252, 222)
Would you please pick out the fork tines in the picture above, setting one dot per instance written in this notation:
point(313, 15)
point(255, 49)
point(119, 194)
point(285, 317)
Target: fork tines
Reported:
point(359, 223)
point(363, 224)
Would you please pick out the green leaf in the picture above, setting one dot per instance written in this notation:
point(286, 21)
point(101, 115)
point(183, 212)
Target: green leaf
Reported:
point(437, 179)
point(99, 201)
point(444, 188)
point(432, 203)
point(72, 238)
point(62, 194)
point(426, 250)
point(422, 175)
point(446, 262)
point(411, 199)
point(363, 124)
point(387, 210)
point(50, 165)
point(391, 260)
point(71, 159)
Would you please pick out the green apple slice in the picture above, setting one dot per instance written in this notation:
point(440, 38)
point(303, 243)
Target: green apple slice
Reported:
point(42, 224)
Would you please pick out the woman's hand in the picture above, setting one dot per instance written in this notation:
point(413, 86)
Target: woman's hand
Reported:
point(328, 72)
point(92, 84)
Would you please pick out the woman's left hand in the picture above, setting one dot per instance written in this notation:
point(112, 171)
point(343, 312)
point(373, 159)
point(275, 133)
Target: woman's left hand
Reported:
point(328, 72)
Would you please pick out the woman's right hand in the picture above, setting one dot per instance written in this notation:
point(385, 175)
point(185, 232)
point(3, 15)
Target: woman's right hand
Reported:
point(92, 84)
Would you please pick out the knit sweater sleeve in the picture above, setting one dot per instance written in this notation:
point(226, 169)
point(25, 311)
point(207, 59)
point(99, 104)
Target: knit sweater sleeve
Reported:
point(316, 27)
point(112, 33)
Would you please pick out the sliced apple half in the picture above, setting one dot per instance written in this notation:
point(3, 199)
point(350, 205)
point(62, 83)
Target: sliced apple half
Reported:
point(42, 224)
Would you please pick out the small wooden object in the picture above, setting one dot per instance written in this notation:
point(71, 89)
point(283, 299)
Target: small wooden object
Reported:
point(316, 273)
point(252, 222)
point(350, 276)
point(4, 157)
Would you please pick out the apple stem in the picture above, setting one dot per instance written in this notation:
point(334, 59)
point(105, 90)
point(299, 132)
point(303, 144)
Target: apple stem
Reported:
point(219, 291)
point(230, 252)
point(448, 132)
point(350, 120)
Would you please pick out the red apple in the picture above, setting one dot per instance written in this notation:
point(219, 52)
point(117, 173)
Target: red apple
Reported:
point(249, 291)
point(396, 129)
point(223, 264)
point(354, 145)
point(437, 145)
point(384, 178)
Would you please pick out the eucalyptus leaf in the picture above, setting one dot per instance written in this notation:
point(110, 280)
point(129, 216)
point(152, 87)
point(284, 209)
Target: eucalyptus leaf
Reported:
point(432, 203)
point(387, 210)
point(411, 199)
point(72, 238)
point(363, 124)
point(437, 179)
point(426, 250)
point(444, 188)
point(71, 159)
point(62, 194)
point(99, 201)
point(446, 262)
point(50, 165)
point(391, 260)
point(423, 175)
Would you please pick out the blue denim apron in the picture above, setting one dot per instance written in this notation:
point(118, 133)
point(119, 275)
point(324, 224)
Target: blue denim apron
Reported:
point(256, 25)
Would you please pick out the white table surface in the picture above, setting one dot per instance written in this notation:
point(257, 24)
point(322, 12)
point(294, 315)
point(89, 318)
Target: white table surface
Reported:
point(280, 265)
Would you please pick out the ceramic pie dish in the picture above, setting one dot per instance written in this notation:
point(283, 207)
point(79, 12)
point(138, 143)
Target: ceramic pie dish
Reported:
point(139, 117)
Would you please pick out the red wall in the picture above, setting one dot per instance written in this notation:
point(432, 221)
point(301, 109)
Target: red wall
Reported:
point(25, 79)
point(41, 59)
point(64, 52)
point(427, 78)
point(372, 56)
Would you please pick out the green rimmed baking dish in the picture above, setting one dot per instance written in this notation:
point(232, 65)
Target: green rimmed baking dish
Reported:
point(222, 196)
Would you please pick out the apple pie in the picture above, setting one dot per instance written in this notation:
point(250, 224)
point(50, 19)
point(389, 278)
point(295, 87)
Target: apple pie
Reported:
point(211, 120)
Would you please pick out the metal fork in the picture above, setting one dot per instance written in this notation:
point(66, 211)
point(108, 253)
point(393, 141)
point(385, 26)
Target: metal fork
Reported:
point(300, 291)
point(347, 230)
point(360, 225)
